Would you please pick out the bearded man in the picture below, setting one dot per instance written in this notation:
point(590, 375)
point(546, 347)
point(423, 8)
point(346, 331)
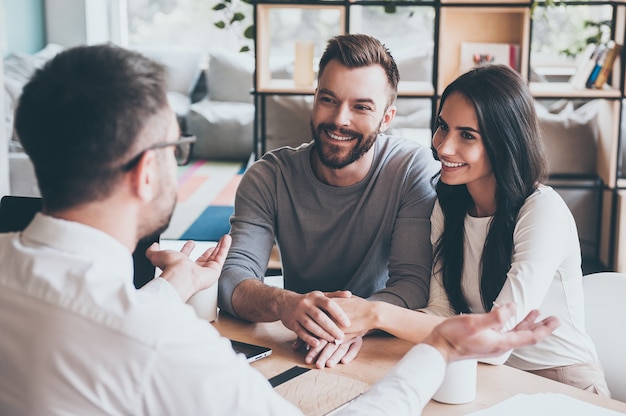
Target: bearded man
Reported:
point(349, 211)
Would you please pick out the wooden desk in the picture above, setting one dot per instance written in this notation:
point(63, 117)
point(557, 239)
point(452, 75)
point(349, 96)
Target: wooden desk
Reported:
point(381, 352)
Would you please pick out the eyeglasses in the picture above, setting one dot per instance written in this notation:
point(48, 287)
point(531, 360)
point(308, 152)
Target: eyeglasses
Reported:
point(182, 152)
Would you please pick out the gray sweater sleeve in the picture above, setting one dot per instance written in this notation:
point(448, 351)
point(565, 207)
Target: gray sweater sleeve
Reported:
point(252, 231)
point(410, 255)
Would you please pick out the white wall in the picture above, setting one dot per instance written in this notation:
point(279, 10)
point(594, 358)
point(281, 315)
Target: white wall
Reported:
point(4, 144)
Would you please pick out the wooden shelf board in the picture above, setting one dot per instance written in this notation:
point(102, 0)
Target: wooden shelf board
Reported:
point(566, 90)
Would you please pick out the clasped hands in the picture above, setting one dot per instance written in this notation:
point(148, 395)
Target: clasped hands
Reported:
point(325, 329)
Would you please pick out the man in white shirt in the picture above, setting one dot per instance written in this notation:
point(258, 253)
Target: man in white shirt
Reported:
point(77, 338)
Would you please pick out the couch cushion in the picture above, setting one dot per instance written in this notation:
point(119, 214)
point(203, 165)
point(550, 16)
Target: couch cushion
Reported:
point(183, 65)
point(19, 67)
point(230, 76)
point(415, 64)
point(288, 120)
point(179, 103)
point(223, 129)
point(22, 175)
point(570, 136)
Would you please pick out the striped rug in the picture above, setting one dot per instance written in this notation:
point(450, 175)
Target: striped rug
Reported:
point(206, 194)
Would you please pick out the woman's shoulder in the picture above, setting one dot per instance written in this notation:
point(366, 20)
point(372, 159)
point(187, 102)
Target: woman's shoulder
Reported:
point(545, 201)
point(545, 195)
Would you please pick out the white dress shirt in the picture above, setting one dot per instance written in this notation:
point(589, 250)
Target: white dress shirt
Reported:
point(78, 339)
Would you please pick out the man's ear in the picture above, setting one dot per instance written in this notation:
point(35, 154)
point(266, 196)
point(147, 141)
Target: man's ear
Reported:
point(145, 177)
point(388, 117)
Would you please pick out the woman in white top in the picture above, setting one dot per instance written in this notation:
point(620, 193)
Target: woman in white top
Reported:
point(498, 235)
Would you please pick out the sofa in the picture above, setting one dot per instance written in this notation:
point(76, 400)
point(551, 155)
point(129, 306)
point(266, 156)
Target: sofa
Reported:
point(18, 68)
point(185, 77)
point(221, 119)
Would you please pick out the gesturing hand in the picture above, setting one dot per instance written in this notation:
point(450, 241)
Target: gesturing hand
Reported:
point(479, 335)
point(186, 276)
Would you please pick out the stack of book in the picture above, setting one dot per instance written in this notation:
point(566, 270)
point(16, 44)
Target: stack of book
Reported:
point(596, 64)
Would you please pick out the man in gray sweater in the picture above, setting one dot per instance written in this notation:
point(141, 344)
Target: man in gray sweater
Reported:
point(349, 211)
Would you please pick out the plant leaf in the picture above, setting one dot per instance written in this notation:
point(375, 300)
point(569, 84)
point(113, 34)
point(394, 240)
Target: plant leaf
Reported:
point(237, 17)
point(244, 49)
point(249, 32)
point(390, 8)
point(219, 6)
point(220, 24)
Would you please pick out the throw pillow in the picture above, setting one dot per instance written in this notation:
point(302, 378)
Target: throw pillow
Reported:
point(570, 138)
point(230, 76)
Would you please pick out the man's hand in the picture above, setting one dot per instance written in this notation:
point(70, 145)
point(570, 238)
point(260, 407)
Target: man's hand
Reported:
point(479, 335)
point(313, 316)
point(186, 276)
point(329, 354)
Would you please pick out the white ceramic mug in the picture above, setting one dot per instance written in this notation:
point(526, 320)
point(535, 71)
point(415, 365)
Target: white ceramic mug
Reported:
point(205, 303)
point(459, 383)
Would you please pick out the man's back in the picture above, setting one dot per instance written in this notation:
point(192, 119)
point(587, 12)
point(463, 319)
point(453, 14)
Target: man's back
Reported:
point(79, 339)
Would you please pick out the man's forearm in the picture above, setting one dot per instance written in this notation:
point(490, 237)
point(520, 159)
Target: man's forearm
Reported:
point(257, 302)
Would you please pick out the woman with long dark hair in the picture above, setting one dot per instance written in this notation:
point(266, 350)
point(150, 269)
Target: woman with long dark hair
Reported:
point(499, 235)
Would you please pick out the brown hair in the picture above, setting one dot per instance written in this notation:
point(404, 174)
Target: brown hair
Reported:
point(357, 50)
point(81, 116)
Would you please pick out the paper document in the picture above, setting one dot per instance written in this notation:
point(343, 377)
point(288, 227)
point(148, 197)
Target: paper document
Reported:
point(544, 404)
point(318, 392)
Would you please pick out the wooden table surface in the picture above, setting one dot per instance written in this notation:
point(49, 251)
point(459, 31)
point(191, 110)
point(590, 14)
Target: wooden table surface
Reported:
point(378, 354)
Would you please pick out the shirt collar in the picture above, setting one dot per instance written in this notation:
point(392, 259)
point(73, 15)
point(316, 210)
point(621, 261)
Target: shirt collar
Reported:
point(80, 239)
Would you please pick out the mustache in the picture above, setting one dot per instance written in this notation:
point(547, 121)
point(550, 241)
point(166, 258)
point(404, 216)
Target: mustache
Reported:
point(344, 131)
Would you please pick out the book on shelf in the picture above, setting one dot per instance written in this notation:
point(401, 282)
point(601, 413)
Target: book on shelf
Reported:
point(595, 65)
point(479, 53)
point(612, 52)
point(586, 63)
point(599, 59)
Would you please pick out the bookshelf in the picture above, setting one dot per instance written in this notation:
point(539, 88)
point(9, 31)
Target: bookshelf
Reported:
point(451, 23)
point(497, 25)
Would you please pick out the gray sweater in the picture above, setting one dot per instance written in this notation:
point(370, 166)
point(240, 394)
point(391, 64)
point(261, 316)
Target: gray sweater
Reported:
point(372, 238)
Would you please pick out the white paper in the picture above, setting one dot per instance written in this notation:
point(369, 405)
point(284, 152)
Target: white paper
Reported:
point(544, 404)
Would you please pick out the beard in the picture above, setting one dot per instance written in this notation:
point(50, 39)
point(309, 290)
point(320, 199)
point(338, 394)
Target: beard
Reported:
point(330, 155)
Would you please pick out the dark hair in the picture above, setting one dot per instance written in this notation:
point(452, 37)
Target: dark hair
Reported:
point(80, 118)
point(508, 125)
point(357, 50)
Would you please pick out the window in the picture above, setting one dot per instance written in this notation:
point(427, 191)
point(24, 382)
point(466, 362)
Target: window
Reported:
point(186, 22)
point(560, 33)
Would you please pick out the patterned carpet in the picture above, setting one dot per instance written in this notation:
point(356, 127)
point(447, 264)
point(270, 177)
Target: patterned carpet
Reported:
point(206, 193)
